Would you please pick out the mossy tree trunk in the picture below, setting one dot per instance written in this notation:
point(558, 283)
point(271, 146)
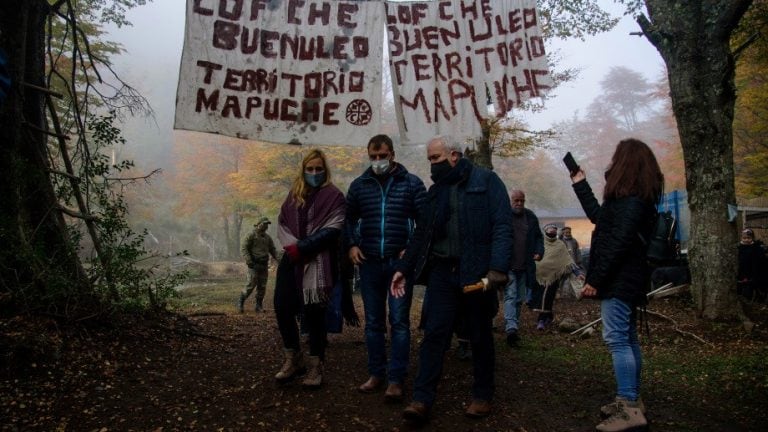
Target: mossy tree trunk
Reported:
point(37, 260)
point(693, 38)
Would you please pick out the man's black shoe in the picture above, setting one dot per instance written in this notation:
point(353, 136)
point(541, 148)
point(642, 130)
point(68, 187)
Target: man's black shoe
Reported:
point(464, 351)
point(513, 340)
point(417, 414)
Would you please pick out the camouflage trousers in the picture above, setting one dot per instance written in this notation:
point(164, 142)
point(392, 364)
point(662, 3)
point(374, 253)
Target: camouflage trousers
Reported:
point(257, 278)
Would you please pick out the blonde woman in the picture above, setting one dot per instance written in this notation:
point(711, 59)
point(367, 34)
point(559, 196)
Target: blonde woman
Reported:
point(309, 227)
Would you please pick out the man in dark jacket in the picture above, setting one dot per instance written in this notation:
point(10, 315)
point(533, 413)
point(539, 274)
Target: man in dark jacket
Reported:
point(527, 247)
point(464, 237)
point(382, 208)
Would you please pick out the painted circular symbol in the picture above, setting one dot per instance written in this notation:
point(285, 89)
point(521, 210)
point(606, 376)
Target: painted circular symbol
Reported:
point(359, 112)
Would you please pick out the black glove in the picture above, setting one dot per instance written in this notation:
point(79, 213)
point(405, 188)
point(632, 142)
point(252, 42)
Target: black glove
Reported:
point(496, 279)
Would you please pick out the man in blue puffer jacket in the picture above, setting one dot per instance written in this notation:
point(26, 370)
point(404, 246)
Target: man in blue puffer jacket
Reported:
point(5, 77)
point(382, 207)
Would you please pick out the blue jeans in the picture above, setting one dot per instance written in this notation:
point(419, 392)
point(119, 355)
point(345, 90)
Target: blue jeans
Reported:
point(513, 298)
point(443, 303)
point(375, 277)
point(620, 334)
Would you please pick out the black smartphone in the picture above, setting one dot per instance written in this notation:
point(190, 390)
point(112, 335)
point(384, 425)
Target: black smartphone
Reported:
point(570, 163)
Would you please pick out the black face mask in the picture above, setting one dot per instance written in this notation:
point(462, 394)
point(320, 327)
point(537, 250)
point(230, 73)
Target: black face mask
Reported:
point(439, 170)
point(551, 234)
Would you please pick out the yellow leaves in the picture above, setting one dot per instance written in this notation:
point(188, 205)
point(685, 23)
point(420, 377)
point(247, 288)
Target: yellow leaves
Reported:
point(218, 174)
point(750, 125)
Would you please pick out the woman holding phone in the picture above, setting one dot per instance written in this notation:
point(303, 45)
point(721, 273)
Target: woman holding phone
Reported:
point(618, 274)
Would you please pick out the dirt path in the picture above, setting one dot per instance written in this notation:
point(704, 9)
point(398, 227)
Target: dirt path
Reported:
point(214, 372)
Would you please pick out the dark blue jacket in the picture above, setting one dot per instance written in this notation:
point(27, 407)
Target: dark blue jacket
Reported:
point(534, 245)
point(381, 217)
point(485, 228)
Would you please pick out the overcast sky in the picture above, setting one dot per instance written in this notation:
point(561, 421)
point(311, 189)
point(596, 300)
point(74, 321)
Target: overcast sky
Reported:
point(155, 40)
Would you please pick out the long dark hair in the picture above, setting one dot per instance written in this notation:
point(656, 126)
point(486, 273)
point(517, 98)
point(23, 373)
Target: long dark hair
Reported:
point(633, 171)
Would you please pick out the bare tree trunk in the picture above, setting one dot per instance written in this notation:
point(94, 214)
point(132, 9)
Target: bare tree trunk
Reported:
point(227, 239)
point(693, 39)
point(234, 254)
point(482, 156)
point(37, 259)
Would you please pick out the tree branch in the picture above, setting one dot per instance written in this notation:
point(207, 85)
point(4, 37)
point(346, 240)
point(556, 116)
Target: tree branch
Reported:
point(654, 36)
point(729, 19)
point(75, 214)
point(64, 174)
point(745, 45)
point(677, 328)
point(132, 179)
point(56, 6)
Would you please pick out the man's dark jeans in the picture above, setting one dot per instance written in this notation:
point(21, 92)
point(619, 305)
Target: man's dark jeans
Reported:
point(375, 278)
point(445, 301)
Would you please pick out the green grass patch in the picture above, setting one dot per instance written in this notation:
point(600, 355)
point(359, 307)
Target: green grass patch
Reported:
point(209, 296)
point(578, 355)
point(737, 376)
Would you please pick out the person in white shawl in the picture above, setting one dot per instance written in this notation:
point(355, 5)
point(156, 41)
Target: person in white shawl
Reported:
point(555, 265)
point(309, 227)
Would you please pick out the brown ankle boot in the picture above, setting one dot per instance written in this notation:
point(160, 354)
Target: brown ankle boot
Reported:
point(373, 384)
point(478, 409)
point(314, 378)
point(417, 414)
point(628, 417)
point(292, 367)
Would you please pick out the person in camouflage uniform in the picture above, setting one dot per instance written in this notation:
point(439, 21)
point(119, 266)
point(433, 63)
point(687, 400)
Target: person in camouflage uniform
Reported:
point(257, 249)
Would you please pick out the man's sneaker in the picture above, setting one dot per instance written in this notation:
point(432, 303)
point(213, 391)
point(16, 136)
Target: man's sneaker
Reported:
point(610, 409)
point(513, 339)
point(627, 417)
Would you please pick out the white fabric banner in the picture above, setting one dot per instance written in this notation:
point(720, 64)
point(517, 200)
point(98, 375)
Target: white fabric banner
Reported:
point(284, 71)
point(444, 54)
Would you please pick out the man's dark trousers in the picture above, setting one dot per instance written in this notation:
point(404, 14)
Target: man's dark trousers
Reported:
point(443, 302)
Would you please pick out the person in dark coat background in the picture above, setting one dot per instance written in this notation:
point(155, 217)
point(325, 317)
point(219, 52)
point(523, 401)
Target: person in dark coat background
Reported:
point(618, 273)
point(752, 267)
point(527, 248)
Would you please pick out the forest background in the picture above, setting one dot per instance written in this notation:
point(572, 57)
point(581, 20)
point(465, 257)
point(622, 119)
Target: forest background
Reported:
point(213, 187)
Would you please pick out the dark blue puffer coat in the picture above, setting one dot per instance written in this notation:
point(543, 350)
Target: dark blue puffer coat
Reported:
point(381, 217)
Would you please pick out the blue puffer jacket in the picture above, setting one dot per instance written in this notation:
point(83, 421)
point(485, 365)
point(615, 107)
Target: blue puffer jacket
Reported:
point(381, 217)
point(485, 223)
